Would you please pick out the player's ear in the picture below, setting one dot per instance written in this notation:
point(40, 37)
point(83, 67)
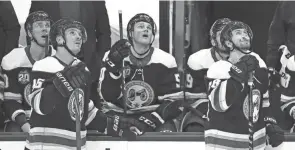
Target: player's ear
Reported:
point(229, 44)
point(213, 42)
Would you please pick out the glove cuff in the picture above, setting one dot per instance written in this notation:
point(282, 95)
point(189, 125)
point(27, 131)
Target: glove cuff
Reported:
point(270, 120)
point(112, 67)
point(62, 85)
point(156, 115)
point(151, 120)
point(113, 128)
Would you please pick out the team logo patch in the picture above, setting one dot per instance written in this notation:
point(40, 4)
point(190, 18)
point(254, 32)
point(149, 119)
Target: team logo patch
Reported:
point(138, 94)
point(27, 92)
point(77, 95)
point(255, 107)
point(23, 77)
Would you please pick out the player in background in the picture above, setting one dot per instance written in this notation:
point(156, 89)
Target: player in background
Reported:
point(58, 83)
point(229, 91)
point(17, 66)
point(150, 77)
point(198, 64)
point(280, 58)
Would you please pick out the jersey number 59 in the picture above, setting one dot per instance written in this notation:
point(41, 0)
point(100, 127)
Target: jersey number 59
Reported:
point(189, 81)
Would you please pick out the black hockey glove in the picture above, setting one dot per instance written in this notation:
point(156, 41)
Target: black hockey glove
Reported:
point(118, 52)
point(240, 71)
point(123, 127)
point(274, 132)
point(166, 111)
point(72, 77)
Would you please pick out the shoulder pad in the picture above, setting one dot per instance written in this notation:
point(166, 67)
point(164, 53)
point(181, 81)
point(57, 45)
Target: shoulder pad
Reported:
point(48, 64)
point(201, 59)
point(16, 58)
point(164, 58)
point(219, 70)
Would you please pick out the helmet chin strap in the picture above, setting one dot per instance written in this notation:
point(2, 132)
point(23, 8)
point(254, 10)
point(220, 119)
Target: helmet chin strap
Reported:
point(67, 48)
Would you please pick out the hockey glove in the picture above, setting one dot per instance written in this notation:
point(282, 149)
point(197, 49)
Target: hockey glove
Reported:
point(72, 77)
point(118, 52)
point(274, 132)
point(166, 111)
point(123, 127)
point(240, 71)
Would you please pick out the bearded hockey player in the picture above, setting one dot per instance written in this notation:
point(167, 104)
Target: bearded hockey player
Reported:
point(17, 66)
point(59, 83)
point(198, 64)
point(150, 77)
point(229, 94)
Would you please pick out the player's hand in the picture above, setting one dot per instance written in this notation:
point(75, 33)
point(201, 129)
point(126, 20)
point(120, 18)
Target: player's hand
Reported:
point(240, 71)
point(72, 77)
point(118, 126)
point(274, 132)
point(118, 52)
point(168, 110)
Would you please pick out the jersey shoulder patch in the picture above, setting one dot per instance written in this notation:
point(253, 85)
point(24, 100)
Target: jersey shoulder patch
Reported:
point(48, 64)
point(201, 59)
point(219, 70)
point(15, 59)
point(164, 58)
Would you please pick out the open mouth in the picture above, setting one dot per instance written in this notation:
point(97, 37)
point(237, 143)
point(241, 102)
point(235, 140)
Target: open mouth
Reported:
point(44, 36)
point(145, 36)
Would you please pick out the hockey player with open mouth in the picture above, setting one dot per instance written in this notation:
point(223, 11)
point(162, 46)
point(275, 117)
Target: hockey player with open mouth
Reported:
point(17, 66)
point(149, 78)
point(229, 95)
point(60, 96)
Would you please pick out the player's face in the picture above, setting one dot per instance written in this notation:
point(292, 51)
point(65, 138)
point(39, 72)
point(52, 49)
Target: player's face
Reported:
point(40, 31)
point(241, 39)
point(142, 34)
point(74, 39)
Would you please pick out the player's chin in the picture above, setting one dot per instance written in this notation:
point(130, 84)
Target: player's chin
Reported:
point(145, 41)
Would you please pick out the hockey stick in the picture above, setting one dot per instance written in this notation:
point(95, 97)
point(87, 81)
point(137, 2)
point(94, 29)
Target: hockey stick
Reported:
point(78, 123)
point(122, 71)
point(186, 46)
point(250, 111)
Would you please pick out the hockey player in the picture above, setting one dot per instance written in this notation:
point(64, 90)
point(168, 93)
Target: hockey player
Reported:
point(59, 83)
point(198, 64)
point(17, 66)
point(229, 94)
point(280, 58)
point(150, 77)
